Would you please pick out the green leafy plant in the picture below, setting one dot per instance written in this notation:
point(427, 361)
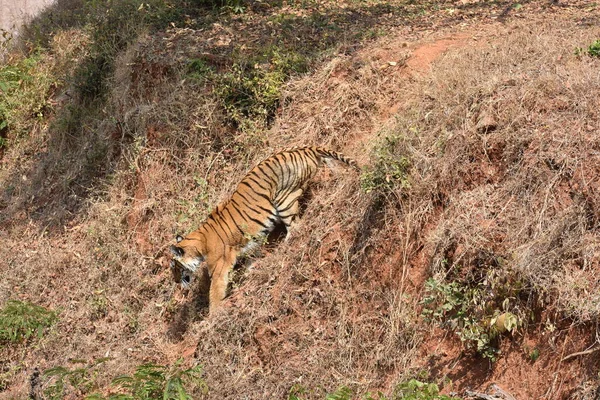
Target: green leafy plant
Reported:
point(417, 390)
point(79, 380)
point(410, 390)
point(388, 169)
point(593, 49)
point(343, 393)
point(21, 320)
point(24, 90)
point(296, 392)
point(151, 381)
point(470, 312)
point(250, 91)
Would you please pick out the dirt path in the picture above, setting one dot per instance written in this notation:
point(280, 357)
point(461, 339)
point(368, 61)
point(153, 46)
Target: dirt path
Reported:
point(15, 12)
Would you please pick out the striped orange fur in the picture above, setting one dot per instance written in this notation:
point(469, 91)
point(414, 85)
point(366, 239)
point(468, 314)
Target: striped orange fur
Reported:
point(266, 196)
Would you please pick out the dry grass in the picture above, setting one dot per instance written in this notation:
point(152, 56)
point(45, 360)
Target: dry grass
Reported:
point(524, 191)
point(335, 305)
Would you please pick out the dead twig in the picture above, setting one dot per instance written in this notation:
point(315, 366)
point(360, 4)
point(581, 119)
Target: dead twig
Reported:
point(581, 353)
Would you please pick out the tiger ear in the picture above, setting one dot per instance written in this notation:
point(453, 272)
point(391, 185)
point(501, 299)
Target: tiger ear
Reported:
point(177, 251)
point(178, 238)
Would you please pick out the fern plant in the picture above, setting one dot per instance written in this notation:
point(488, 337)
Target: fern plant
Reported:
point(79, 380)
point(21, 320)
point(151, 381)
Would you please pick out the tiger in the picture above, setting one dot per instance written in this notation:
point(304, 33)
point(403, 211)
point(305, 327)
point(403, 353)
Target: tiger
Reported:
point(267, 196)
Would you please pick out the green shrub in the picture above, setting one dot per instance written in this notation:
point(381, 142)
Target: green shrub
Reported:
point(20, 321)
point(388, 169)
point(151, 381)
point(24, 90)
point(476, 313)
point(343, 393)
point(80, 380)
point(594, 49)
point(250, 91)
point(417, 390)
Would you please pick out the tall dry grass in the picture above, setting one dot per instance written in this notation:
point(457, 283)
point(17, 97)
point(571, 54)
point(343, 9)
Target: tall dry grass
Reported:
point(503, 141)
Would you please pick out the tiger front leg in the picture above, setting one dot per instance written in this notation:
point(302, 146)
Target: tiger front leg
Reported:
point(219, 282)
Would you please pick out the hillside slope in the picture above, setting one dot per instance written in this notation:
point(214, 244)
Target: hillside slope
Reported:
point(464, 254)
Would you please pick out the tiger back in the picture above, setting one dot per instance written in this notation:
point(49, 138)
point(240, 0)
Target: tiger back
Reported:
point(269, 194)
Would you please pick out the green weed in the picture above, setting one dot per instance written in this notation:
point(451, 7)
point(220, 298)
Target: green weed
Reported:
point(79, 380)
point(417, 390)
point(388, 169)
point(343, 393)
point(476, 316)
point(20, 321)
point(199, 70)
point(409, 390)
point(151, 381)
point(24, 90)
point(593, 49)
point(250, 92)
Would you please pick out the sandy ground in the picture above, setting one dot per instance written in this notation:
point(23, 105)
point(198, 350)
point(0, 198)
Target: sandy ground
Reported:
point(14, 12)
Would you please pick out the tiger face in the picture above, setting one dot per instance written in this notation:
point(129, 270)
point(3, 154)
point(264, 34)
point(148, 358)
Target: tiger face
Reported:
point(187, 257)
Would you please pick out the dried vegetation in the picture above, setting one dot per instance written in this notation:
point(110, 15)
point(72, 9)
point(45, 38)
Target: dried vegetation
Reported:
point(484, 177)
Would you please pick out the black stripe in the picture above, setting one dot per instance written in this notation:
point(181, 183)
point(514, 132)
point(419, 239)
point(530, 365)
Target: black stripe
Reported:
point(234, 222)
point(259, 166)
point(236, 208)
point(288, 207)
point(289, 173)
point(250, 205)
point(296, 167)
point(245, 214)
point(257, 183)
point(253, 191)
point(213, 228)
point(316, 156)
point(222, 221)
point(274, 173)
point(281, 175)
point(303, 167)
point(264, 196)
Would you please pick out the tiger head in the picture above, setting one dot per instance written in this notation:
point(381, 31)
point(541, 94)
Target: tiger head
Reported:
point(187, 257)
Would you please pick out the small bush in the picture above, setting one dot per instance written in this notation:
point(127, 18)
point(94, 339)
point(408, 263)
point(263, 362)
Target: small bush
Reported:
point(478, 313)
point(594, 49)
point(24, 90)
point(390, 168)
point(151, 381)
point(250, 91)
point(20, 321)
point(80, 380)
point(409, 390)
point(417, 390)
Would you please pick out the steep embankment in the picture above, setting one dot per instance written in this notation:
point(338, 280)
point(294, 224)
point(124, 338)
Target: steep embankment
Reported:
point(475, 204)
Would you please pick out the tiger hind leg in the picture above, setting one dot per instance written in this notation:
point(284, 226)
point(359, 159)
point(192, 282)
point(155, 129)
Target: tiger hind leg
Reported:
point(288, 211)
